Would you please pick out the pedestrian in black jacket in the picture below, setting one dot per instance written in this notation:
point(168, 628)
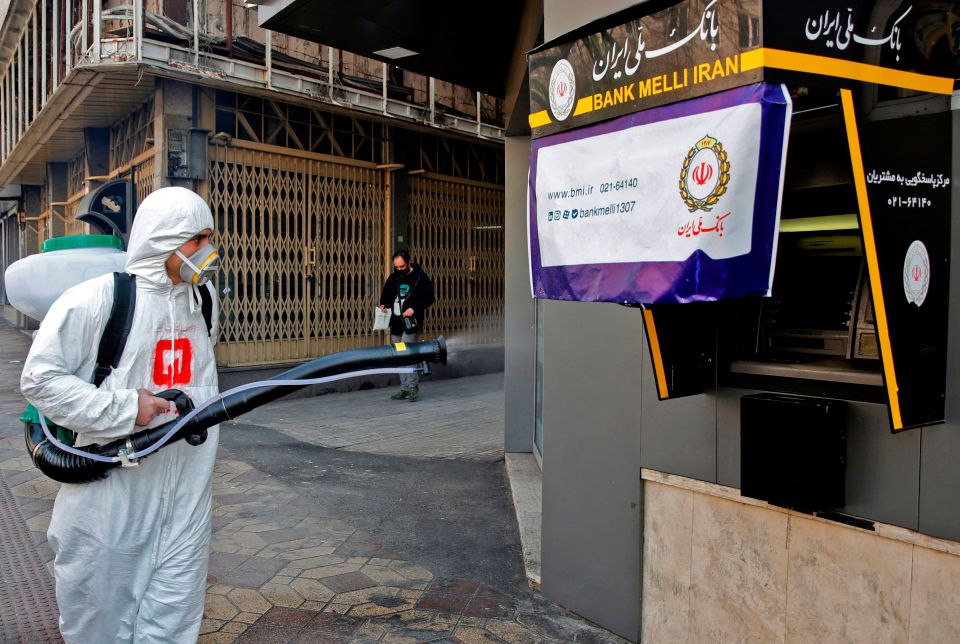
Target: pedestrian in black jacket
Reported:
point(407, 293)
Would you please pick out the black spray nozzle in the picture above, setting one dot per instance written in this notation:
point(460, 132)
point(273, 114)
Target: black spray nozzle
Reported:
point(66, 467)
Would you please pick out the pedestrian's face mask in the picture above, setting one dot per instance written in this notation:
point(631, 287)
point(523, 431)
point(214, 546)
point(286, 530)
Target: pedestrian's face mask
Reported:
point(199, 267)
point(400, 270)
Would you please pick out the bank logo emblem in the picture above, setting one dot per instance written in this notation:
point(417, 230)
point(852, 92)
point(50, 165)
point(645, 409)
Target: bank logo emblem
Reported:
point(563, 90)
point(916, 273)
point(705, 175)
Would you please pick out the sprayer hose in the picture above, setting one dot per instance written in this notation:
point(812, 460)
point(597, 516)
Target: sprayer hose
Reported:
point(73, 468)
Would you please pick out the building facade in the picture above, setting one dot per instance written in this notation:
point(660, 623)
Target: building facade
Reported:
point(645, 526)
point(316, 162)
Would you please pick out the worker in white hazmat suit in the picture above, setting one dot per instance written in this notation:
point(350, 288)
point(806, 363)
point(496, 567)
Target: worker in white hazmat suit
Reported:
point(132, 549)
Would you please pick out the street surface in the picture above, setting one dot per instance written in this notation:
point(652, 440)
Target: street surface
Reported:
point(339, 518)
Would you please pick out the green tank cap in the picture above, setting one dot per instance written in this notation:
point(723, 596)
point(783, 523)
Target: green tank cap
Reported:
point(30, 415)
point(71, 242)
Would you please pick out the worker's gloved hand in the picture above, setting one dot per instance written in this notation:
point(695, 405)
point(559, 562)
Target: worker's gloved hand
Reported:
point(184, 407)
point(149, 407)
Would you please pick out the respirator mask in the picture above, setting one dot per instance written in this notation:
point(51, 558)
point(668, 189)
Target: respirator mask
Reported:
point(199, 267)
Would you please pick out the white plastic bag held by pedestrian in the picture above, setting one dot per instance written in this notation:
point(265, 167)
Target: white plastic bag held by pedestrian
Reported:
point(381, 320)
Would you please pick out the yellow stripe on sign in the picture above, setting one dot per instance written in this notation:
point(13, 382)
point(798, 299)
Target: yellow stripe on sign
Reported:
point(873, 265)
point(655, 352)
point(826, 66)
point(584, 105)
point(539, 119)
point(400, 346)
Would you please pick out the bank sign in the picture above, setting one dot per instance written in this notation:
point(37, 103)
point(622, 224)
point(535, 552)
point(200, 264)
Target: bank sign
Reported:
point(699, 47)
point(675, 204)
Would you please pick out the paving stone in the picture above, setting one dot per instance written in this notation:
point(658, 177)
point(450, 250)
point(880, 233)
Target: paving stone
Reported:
point(250, 552)
point(14, 478)
point(219, 607)
point(374, 593)
point(219, 589)
point(348, 582)
point(286, 617)
point(596, 637)
point(249, 601)
point(472, 635)
point(315, 562)
point(441, 602)
point(411, 571)
point(385, 576)
point(234, 627)
point(266, 635)
point(454, 586)
point(330, 571)
point(371, 631)
point(312, 590)
point(246, 539)
point(334, 624)
point(39, 523)
point(217, 638)
point(512, 632)
point(308, 553)
point(446, 618)
point(281, 595)
point(222, 563)
point(292, 536)
point(210, 625)
point(385, 606)
point(281, 580)
point(548, 626)
point(219, 522)
point(335, 526)
point(309, 637)
point(488, 607)
point(396, 638)
point(251, 476)
point(247, 618)
point(255, 572)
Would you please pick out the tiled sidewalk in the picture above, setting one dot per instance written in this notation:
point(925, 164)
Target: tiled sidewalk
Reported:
point(283, 570)
point(281, 573)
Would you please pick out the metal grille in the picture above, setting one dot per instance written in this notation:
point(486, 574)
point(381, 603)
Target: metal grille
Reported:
point(131, 136)
point(76, 188)
point(144, 178)
point(69, 215)
point(76, 173)
point(456, 234)
point(301, 238)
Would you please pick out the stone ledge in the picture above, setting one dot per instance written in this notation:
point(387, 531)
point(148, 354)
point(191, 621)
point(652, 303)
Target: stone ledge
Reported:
point(885, 530)
point(526, 487)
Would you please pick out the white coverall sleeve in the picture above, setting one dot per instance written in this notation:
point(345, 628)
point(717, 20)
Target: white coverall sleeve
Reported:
point(58, 370)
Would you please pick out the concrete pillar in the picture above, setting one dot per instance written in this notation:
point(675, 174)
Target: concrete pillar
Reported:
point(96, 142)
point(206, 105)
point(520, 333)
point(176, 108)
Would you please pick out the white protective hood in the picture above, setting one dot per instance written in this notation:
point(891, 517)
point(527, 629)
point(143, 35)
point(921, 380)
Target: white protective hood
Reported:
point(165, 220)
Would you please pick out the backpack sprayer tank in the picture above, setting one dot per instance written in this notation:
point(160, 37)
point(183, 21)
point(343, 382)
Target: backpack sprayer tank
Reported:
point(68, 467)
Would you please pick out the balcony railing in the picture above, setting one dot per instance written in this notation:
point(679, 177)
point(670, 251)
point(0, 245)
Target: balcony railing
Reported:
point(48, 41)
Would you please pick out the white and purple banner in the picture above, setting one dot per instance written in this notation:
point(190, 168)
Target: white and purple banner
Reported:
point(679, 203)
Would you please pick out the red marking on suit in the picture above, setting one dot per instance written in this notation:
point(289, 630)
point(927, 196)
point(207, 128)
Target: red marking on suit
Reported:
point(172, 363)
